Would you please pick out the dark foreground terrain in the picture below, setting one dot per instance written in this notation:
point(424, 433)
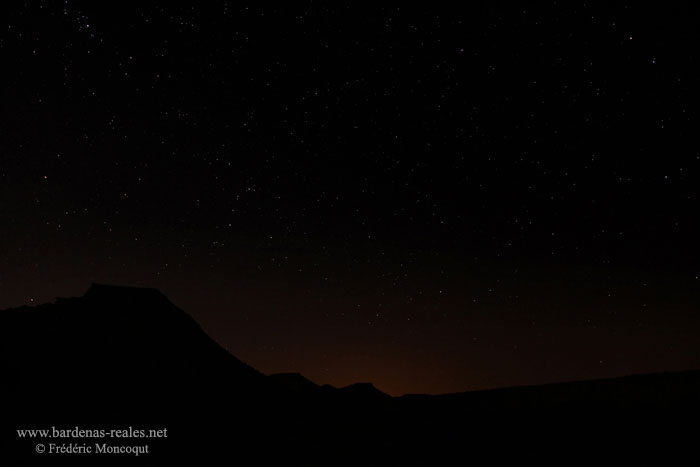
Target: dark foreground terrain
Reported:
point(127, 359)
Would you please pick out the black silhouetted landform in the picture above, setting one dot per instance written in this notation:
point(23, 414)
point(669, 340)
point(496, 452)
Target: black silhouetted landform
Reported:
point(124, 356)
point(363, 390)
point(295, 382)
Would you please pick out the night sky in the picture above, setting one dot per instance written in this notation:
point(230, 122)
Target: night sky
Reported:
point(430, 199)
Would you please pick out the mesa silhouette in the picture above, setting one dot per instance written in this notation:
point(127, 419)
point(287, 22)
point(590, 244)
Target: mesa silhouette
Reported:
point(124, 356)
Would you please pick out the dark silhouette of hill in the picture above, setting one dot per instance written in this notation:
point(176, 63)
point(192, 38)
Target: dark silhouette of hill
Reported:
point(295, 382)
point(365, 391)
point(115, 341)
point(120, 356)
point(299, 385)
